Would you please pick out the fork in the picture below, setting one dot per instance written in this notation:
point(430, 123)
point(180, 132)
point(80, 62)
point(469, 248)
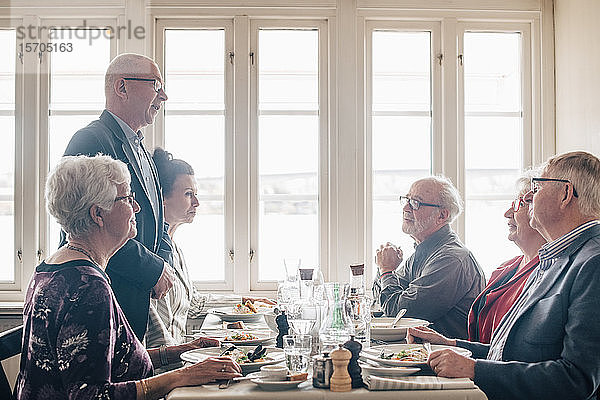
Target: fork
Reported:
point(427, 346)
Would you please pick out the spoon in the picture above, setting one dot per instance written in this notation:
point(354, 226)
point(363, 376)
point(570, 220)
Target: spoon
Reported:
point(398, 317)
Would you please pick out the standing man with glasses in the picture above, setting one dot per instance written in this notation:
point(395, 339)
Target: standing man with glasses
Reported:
point(134, 94)
point(441, 279)
point(547, 345)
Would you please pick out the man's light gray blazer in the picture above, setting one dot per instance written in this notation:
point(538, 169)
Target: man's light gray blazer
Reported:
point(553, 349)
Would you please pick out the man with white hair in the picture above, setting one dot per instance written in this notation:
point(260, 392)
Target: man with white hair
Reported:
point(547, 345)
point(440, 281)
point(134, 93)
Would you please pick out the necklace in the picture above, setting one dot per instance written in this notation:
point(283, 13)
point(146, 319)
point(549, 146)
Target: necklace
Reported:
point(82, 251)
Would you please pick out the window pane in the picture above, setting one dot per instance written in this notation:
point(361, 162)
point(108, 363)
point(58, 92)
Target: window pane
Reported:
point(7, 154)
point(288, 149)
point(195, 133)
point(401, 143)
point(288, 69)
point(493, 141)
point(195, 78)
point(76, 85)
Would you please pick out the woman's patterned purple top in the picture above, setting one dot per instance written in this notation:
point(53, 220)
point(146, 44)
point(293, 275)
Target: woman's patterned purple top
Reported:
point(77, 343)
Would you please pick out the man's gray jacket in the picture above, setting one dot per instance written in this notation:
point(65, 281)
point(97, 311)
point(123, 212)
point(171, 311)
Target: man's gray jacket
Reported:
point(438, 283)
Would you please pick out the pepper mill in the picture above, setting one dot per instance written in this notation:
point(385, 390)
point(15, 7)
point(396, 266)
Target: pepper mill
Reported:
point(283, 327)
point(353, 368)
point(340, 380)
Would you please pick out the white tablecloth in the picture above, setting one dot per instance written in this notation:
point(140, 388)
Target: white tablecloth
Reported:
point(249, 391)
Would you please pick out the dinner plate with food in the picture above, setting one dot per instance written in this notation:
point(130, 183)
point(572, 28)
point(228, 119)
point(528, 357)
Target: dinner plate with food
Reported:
point(244, 337)
point(381, 328)
point(405, 355)
point(246, 312)
point(250, 358)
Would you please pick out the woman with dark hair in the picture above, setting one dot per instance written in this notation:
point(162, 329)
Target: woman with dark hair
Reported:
point(168, 316)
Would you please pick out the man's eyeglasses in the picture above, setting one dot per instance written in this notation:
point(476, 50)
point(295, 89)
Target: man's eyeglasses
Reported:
point(130, 198)
point(518, 203)
point(157, 84)
point(535, 184)
point(415, 204)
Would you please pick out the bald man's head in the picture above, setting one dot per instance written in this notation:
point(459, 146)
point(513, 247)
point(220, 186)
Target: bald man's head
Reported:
point(134, 89)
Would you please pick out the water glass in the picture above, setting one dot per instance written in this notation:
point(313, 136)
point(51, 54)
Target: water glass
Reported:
point(297, 350)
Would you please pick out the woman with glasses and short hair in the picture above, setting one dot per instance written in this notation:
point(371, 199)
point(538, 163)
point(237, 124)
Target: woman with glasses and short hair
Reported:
point(77, 342)
point(507, 281)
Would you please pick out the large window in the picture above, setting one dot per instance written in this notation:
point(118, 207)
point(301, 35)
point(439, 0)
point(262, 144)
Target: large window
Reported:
point(401, 126)
point(7, 154)
point(482, 151)
point(195, 131)
point(288, 149)
point(76, 94)
point(494, 130)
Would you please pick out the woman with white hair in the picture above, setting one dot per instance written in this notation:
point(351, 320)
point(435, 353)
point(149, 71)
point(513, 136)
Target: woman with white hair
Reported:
point(77, 342)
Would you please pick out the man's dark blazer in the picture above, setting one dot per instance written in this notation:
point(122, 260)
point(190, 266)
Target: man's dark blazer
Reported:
point(137, 266)
point(553, 348)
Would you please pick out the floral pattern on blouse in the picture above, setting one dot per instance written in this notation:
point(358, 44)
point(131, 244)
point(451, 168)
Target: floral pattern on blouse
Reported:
point(77, 343)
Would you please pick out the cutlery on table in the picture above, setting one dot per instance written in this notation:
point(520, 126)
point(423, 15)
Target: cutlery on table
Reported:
point(398, 317)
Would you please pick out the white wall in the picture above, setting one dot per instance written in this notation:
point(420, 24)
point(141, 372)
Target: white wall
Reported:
point(577, 63)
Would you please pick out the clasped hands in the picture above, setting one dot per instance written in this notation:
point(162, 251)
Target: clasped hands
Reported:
point(388, 257)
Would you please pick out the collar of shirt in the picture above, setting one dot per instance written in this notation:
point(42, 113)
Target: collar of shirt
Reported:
point(432, 240)
point(554, 248)
point(134, 138)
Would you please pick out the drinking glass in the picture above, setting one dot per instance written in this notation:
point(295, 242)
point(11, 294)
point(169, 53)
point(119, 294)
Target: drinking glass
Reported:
point(297, 350)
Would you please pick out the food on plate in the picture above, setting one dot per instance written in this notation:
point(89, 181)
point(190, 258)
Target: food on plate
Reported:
point(418, 354)
point(235, 325)
point(240, 337)
point(241, 357)
point(252, 307)
point(299, 376)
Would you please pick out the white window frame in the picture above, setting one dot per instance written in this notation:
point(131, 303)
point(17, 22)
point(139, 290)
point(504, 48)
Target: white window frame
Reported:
point(159, 134)
point(434, 28)
point(23, 237)
point(447, 141)
point(526, 102)
point(46, 248)
point(323, 173)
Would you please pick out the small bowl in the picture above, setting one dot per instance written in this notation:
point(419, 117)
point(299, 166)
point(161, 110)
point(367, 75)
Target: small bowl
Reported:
point(274, 372)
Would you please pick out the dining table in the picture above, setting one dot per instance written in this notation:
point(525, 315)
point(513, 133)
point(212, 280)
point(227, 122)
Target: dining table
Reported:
point(246, 390)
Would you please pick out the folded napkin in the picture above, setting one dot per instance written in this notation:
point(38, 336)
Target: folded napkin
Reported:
point(417, 383)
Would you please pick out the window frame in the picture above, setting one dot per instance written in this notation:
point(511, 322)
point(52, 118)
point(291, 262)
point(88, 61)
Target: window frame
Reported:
point(22, 233)
point(434, 28)
point(448, 156)
point(163, 24)
point(45, 248)
point(323, 168)
point(529, 80)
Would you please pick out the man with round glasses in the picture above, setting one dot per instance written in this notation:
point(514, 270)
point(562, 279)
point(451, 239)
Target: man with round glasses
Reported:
point(441, 279)
point(134, 93)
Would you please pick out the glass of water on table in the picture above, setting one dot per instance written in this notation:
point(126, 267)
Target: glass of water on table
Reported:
point(297, 350)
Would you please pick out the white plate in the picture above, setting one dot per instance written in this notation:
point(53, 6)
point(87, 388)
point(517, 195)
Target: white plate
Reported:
point(274, 356)
point(274, 385)
point(227, 315)
point(390, 372)
point(373, 353)
point(381, 329)
point(261, 337)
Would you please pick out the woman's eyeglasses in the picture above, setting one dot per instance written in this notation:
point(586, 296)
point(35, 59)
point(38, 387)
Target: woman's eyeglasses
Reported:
point(518, 203)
